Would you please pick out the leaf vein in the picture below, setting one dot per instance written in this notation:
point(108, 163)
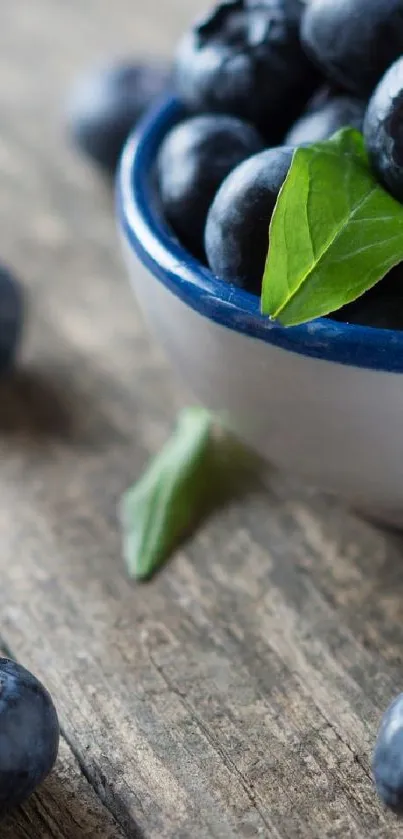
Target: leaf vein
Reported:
point(324, 250)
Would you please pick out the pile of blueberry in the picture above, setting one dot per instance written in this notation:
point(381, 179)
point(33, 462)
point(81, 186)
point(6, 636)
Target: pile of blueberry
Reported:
point(29, 734)
point(258, 78)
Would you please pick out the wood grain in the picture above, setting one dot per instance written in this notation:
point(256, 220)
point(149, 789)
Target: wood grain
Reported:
point(239, 694)
point(66, 807)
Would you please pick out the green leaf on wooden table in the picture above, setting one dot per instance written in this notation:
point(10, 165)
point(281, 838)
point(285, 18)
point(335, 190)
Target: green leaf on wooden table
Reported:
point(197, 470)
point(334, 234)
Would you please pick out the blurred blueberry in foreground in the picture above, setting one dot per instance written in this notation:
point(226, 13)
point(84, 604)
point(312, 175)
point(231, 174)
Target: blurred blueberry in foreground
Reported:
point(29, 734)
point(388, 756)
point(11, 317)
point(106, 105)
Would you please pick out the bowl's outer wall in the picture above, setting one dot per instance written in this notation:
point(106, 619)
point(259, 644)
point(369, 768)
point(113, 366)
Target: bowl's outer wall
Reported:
point(339, 426)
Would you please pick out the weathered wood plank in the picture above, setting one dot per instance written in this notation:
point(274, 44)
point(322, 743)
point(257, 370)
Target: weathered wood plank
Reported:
point(238, 695)
point(66, 807)
point(239, 653)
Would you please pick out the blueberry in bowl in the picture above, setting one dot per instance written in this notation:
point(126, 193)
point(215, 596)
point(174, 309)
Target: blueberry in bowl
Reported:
point(322, 399)
point(381, 307)
point(193, 160)
point(236, 236)
point(383, 129)
point(245, 58)
point(353, 41)
point(321, 122)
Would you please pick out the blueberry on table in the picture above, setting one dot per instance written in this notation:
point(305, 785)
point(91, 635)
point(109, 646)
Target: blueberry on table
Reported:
point(354, 41)
point(245, 58)
point(383, 130)
point(387, 763)
point(106, 105)
point(29, 734)
point(11, 318)
point(237, 229)
point(320, 123)
point(194, 159)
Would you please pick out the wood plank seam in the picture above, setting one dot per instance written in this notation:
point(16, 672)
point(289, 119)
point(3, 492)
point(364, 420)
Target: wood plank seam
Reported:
point(127, 825)
point(111, 802)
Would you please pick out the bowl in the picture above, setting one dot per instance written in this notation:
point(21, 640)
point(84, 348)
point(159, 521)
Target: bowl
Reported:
point(323, 400)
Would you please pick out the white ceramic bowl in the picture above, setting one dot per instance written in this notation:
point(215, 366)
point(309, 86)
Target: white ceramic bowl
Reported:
point(324, 400)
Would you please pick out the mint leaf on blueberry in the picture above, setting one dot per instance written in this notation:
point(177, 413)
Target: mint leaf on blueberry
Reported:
point(334, 234)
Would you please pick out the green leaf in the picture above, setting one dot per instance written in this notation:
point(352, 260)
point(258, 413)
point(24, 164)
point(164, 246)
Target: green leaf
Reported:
point(197, 471)
point(334, 234)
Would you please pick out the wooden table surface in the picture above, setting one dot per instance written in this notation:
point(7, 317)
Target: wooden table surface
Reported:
point(237, 695)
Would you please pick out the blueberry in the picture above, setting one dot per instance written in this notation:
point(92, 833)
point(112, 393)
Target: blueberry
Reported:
point(387, 764)
point(320, 123)
point(11, 317)
point(381, 307)
point(293, 9)
point(383, 130)
point(354, 41)
point(106, 105)
point(29, 734)
point(193, 161)
point(322, 96)
point(245, 59)
point(237, 230)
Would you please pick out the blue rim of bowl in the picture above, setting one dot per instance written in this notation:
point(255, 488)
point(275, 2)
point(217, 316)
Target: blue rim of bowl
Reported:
point(158, 249)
